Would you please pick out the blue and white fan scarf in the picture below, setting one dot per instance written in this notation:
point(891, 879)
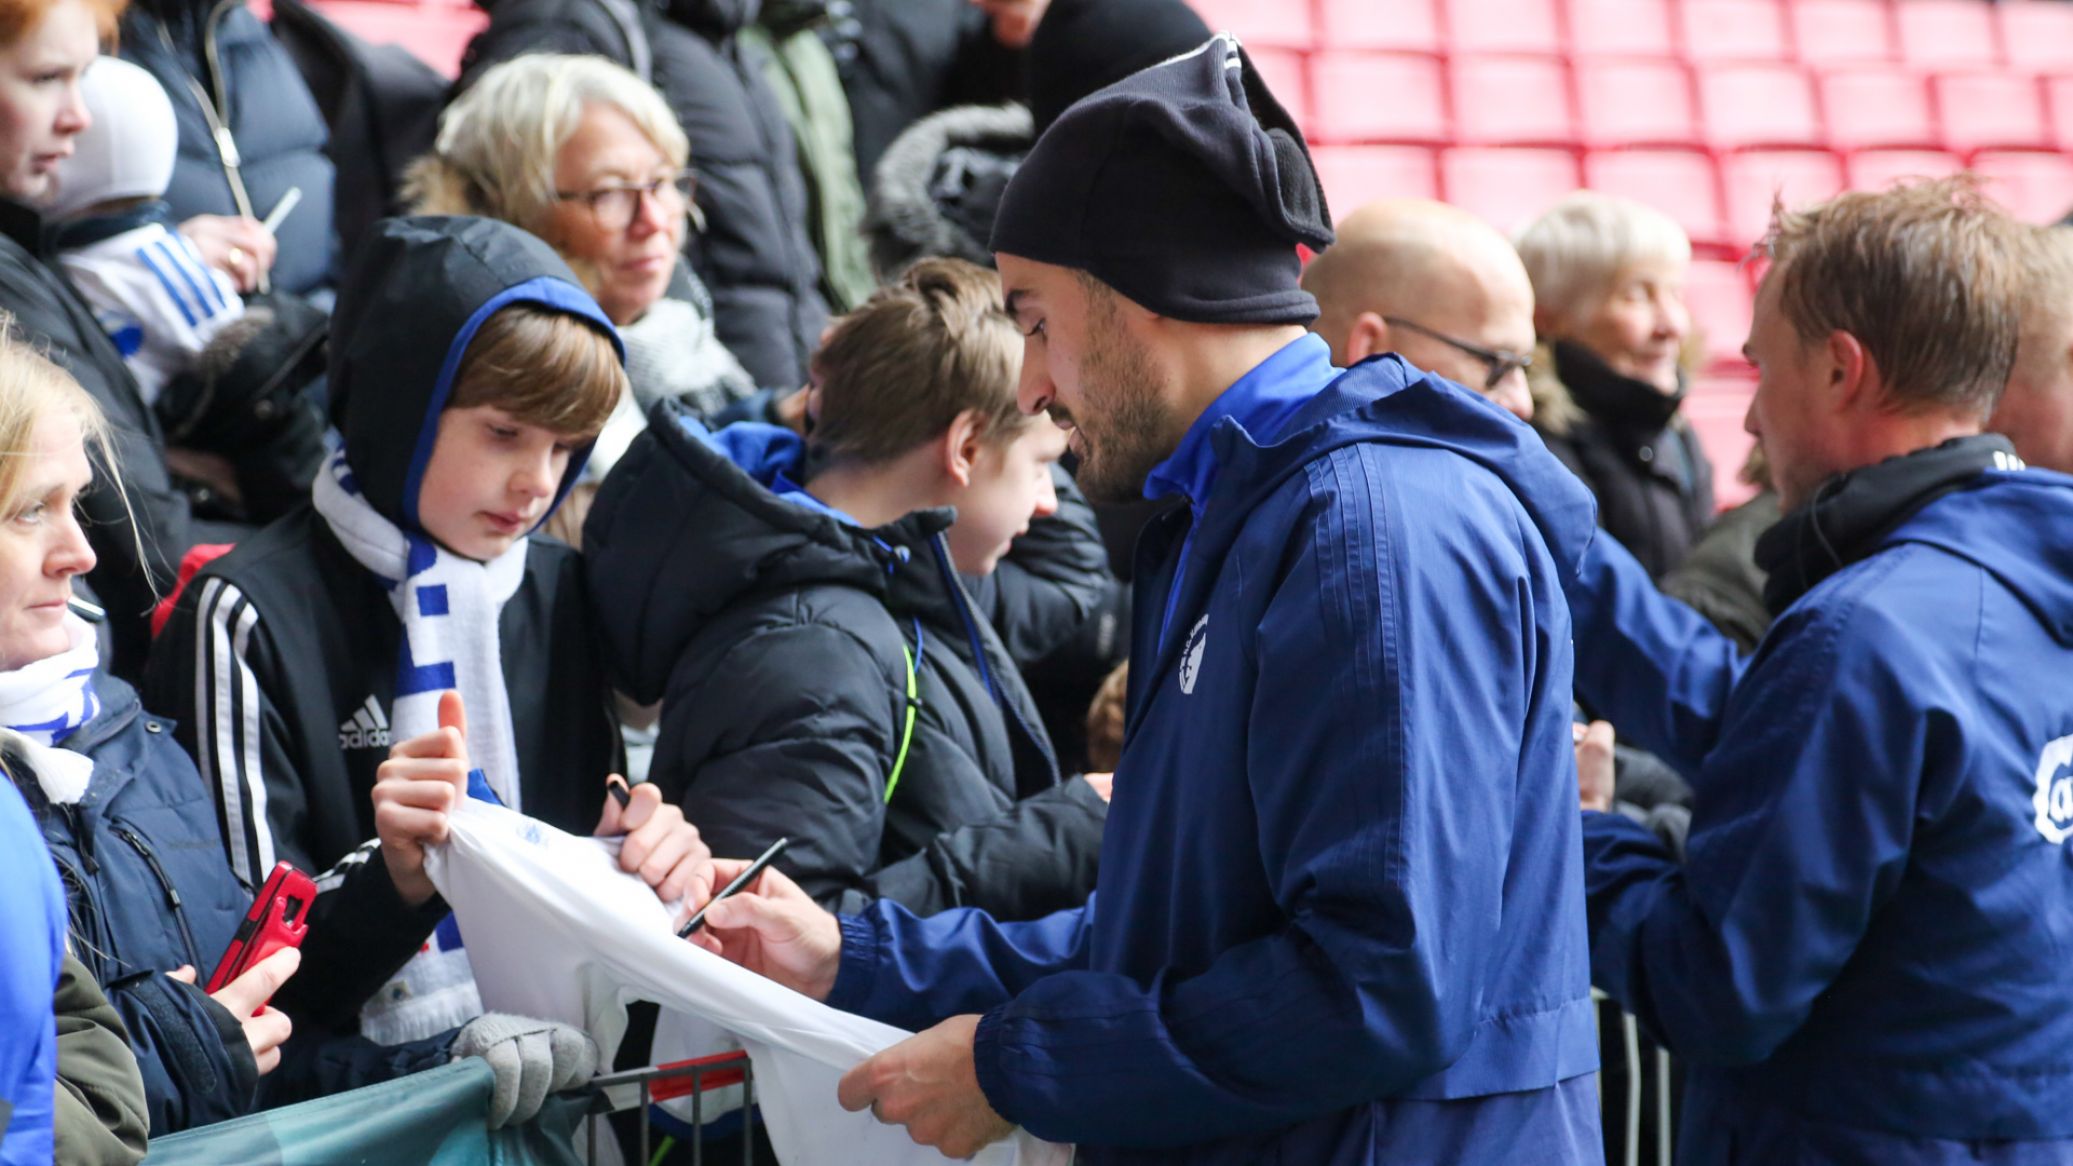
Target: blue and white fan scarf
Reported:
point(43, 703)
point(449, 606)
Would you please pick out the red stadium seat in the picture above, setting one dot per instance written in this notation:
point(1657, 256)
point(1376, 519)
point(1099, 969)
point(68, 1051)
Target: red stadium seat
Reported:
point(2037, 35)
point(1511, 101)
point(1501, 26)
point(1410, 26)
point(1946, 34)
point(1634, 103)
point(436, 35)
point(1621, 28)
point(1716, 407)
point(1261, 23)
point(1282, 70)
point(1879, 169)
point(1681, 183)
point(1877, 107)
point(1719, 296)
point(1509, 188)
point(1733, 30)
point(2035, 187)
point(1836, 32)
point(1356, 175)
point(1753, 179)
point(2058, 99)
point(1377, 97)
point(1757, 105)
point(1977, 110)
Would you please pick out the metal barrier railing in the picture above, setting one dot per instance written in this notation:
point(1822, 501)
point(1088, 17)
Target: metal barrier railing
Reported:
point(640, 1089)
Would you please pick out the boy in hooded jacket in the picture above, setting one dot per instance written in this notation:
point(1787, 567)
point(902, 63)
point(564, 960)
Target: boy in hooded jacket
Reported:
point(469, 374)
point(824, 673)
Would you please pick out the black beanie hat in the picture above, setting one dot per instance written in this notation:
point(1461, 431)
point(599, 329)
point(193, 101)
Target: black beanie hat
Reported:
point(1082, 45)
point(1185, 186)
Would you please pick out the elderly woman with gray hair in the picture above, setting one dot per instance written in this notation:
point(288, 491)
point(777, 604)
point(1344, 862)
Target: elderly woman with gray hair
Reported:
point(1608, 286)
point(587, 156)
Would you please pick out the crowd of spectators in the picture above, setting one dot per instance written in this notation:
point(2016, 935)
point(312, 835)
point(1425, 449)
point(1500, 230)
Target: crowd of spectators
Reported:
point(668, 467)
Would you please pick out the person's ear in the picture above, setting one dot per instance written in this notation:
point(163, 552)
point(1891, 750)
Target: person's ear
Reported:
point(961, 446)
point(1849, 372)
point(1368, 336)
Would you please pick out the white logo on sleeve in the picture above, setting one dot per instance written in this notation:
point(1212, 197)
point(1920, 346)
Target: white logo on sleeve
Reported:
point(367, 728)
point(1191, 659)
point(2054, 799)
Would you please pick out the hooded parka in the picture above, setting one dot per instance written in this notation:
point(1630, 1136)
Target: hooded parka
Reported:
point(779, 637)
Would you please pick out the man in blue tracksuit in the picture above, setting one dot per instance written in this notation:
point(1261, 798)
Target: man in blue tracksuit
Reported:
point(1864, 960)
point(1339, 911)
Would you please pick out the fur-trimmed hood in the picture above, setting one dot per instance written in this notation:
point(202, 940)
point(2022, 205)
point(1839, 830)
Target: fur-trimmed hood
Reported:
point(939, 183)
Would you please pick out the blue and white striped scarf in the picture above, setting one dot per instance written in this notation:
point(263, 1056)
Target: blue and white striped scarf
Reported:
point(449, 607)
point(43, 703)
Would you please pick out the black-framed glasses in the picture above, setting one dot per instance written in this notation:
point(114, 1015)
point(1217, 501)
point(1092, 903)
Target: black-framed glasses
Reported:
point(614, 204)
point(1500, 362)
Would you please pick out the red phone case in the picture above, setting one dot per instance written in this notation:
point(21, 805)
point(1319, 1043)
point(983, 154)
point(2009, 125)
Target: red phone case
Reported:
point(278, 919)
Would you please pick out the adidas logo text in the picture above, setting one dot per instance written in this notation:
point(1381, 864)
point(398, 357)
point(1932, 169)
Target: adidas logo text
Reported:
point(367, 728)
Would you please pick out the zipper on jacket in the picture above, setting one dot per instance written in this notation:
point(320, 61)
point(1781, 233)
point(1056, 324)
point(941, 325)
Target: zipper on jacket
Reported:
point(215, 104)
point(173, 902)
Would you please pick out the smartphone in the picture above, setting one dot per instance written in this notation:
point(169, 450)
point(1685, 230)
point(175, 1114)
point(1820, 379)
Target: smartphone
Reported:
point(279, 918)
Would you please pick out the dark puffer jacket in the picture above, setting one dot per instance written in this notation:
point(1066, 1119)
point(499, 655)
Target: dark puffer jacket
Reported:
point(149, 890)
point(778, 635)
point(1629, 443)
point(47, 312)
point(261, 98)
point(755, 252)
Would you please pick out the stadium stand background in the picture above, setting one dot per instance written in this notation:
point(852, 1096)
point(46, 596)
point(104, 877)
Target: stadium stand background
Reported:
point(1704, 108)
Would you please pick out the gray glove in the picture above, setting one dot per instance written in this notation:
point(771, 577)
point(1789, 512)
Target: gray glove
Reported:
point(531, 1059)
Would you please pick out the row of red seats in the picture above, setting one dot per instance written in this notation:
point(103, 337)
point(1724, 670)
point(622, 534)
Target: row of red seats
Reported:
point(1724, 203)
point(1932, 34)
point(437, 32)
point(1602, 103)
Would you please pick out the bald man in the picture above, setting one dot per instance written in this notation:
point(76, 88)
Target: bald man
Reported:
point(2036, 411)
point(1434, 284)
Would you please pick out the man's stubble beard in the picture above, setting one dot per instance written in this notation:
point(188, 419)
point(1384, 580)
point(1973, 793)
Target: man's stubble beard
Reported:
point(1125, 430)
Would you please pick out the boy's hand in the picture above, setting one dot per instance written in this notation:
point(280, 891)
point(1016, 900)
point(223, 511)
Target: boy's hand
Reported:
point(658, 843)
point(775, 930)
point(266, 1029)
point(927, 1083)
point(414, 790)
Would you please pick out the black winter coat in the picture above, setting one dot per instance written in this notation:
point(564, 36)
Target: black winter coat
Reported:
point(49, 314)
point(755, 252)
point(912, 58)
point(261, 97)
point(778, 638)
point(1638, 455)
point(148, 890)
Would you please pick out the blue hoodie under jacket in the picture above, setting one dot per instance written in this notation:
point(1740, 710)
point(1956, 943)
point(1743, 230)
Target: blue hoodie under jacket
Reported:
point(1865, 958)
point(1339, 916)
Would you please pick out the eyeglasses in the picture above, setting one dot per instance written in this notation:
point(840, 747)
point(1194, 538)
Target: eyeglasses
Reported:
point(1500, 363)
point(614, 204)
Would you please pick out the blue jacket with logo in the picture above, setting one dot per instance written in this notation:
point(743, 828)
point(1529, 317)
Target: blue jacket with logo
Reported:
point(1339, 916)
point(1865, 958)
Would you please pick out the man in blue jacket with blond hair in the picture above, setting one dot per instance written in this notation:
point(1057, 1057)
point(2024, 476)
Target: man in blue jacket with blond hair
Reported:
point(1339, 916)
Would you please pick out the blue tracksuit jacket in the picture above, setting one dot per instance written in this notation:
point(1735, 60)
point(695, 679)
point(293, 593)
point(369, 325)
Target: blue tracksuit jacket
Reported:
point(32, 943)
point(1868, 955)
point(1339, 916)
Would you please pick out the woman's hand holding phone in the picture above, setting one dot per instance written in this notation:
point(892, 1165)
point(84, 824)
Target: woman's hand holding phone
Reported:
point(266, 1028)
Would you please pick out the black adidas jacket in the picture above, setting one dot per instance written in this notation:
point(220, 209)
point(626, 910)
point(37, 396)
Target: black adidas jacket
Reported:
point(778, 639)
point(280, 657)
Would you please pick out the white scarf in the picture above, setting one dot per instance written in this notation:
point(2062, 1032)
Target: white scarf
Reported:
point(43, 703)
point(449, 606)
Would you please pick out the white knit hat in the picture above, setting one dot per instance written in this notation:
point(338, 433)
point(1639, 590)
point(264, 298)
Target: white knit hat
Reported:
point(128, 150)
